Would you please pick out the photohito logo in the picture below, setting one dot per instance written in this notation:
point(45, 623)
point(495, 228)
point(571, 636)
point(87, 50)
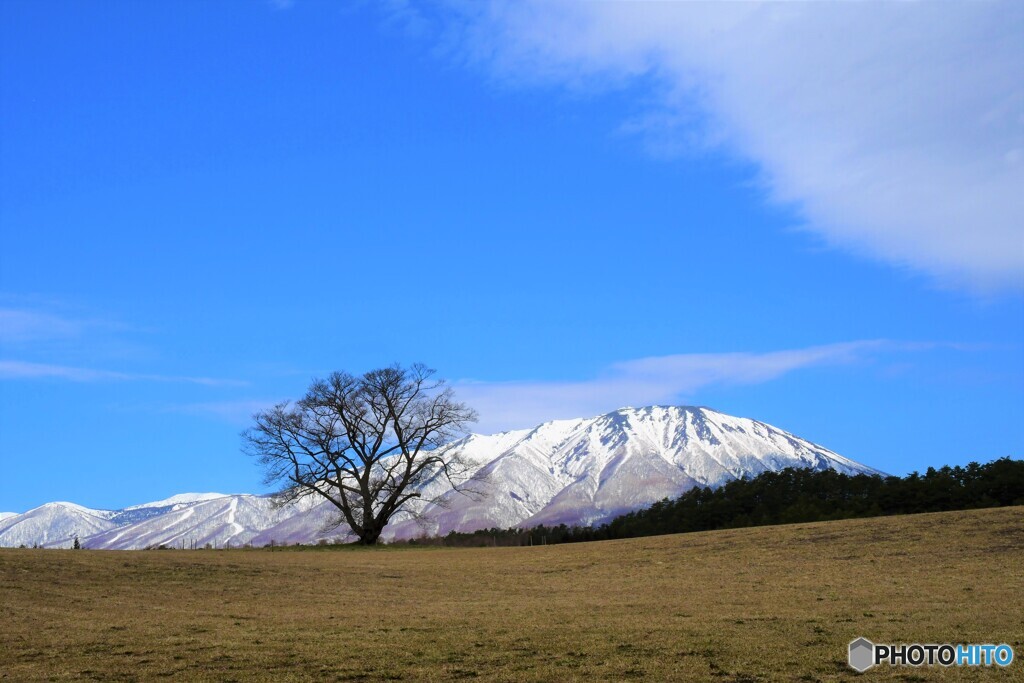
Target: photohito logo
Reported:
point(864, 654)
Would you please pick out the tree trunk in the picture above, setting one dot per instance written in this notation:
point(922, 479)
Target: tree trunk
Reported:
point(369, 536)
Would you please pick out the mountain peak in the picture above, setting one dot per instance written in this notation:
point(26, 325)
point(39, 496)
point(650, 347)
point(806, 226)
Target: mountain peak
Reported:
point(66, 505)
point(575, 471)
point(178, 499)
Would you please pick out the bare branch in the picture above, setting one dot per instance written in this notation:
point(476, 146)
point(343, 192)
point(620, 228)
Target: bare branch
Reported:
point(367, 444)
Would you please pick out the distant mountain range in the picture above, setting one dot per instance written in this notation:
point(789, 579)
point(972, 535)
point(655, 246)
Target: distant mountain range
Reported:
point(581, 471)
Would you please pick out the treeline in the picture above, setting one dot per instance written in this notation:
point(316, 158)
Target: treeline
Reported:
point(784, 497)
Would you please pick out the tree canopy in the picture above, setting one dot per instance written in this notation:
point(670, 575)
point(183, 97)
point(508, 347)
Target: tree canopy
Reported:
point(367, 444)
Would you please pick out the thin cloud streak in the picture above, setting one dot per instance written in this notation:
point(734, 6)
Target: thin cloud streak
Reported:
point(238, 412)
point(896, 129)
point(24, 370)
point(650, 381)
point(644, 381)
point(20, 326)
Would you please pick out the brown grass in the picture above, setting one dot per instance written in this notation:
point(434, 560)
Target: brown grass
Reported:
point(774, 603)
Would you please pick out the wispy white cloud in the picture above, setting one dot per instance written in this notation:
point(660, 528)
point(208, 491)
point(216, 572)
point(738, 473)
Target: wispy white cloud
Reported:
point(238, 412)
point(50, 324)
point(43, 342)
point(896, 129)
point(504, 405)
point(24, 370)
point(19, 326)
point(650, 381)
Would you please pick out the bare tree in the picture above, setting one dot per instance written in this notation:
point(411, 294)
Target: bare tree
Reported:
point(366, 444)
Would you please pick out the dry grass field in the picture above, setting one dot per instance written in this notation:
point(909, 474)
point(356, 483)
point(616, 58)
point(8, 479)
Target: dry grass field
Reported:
point(765, 604)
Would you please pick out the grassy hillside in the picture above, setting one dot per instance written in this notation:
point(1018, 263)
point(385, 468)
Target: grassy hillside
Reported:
point(768, 603)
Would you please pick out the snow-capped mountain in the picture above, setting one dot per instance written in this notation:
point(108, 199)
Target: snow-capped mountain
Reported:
point(54, 524)
point(179, 499)
point(218, 521)
point(135, 514)
point(579, 471)
point(591, 470)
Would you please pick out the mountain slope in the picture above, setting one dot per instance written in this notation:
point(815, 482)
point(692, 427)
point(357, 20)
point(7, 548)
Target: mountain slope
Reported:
point(581, 471)
point(590, 470)
point(54, 524)
point(223, 520)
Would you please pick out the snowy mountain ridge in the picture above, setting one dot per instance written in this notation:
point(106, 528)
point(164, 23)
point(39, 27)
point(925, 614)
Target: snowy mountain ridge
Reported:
point(579, 471)
point(178, 499)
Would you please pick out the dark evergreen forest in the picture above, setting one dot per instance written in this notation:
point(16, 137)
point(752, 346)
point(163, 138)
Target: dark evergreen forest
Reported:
point(785, 497)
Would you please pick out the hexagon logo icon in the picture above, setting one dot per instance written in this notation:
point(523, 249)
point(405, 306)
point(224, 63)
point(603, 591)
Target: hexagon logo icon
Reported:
point(862, 655)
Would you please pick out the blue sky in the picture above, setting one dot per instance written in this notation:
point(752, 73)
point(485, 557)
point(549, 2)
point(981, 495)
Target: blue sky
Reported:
point(785, 213)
